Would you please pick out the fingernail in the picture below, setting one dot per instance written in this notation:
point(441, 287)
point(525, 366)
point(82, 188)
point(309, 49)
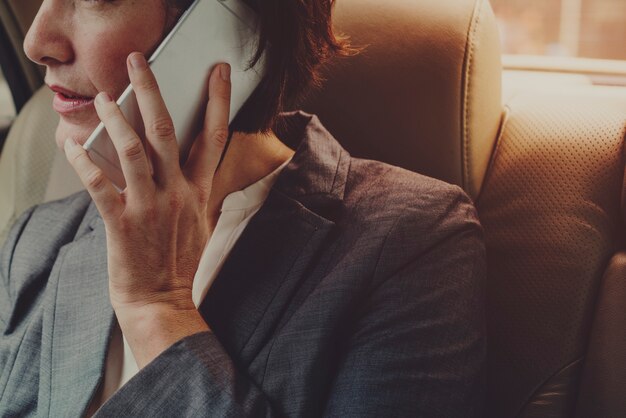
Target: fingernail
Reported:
point(225, 72)
point(103, 97)
point(138, 62)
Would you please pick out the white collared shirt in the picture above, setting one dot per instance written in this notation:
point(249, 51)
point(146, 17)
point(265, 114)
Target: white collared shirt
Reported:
point(237, 210)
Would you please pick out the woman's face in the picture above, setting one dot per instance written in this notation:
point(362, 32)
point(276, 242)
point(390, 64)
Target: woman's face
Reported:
point(84, 45)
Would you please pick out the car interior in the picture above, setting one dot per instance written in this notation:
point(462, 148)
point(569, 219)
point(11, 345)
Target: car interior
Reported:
point(541, 153)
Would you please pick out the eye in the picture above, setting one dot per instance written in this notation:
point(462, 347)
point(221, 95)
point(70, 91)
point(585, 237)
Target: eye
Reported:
point(98, 2)
point(97, 6)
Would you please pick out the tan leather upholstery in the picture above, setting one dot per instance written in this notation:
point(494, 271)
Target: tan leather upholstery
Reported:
point(604, 377)
point(425, 94)
point(27, 160)
point(551, 211)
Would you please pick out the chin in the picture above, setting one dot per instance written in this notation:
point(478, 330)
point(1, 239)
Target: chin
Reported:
point(80, 132)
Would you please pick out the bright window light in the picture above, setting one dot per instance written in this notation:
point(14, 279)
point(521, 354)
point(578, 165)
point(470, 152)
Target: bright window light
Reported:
point(563, 28)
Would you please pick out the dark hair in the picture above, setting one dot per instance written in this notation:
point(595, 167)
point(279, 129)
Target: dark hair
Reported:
point(298, 38)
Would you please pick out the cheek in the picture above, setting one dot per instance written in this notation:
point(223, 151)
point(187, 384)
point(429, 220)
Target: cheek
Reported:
point(105, 62)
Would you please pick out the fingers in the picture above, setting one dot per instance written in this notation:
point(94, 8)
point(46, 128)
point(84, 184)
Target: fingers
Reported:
point(130, 149)
point(205, 156)
point(157, 121)
point(102, 191)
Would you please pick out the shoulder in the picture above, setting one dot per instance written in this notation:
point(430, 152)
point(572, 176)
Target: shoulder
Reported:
point(58, 215)
point(425, 232)
point(376, 190)
point(410, 216)
point(41, 230)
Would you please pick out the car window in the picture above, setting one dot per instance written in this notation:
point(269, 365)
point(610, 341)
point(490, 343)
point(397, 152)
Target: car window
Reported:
point(7, 108)
point(563, 28)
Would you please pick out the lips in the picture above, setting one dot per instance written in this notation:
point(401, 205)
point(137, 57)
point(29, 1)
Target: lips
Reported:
point(67, 102)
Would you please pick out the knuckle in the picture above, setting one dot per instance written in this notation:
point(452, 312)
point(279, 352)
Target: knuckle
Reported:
point(162, 128)
point(109, 113)
point(175, 201)
point(95, 180)
point(220, 136)
point(147, 84)
point(77, 158)
point(222, 94)
point(137, 215)
point(132, 149)
point(204, 194)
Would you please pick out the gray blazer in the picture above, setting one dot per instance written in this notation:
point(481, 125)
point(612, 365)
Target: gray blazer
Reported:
point(356, 290)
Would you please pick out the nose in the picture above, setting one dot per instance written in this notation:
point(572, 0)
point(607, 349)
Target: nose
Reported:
point(47, 41)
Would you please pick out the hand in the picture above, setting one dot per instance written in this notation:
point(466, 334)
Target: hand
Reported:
point(157, 227)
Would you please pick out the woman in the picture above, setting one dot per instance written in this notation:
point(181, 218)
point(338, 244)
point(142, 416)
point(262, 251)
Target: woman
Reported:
point(287, 279)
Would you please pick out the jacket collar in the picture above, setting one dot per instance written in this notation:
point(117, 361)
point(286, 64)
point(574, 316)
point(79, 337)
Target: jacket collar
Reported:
point(319, 166)
point(278, 248)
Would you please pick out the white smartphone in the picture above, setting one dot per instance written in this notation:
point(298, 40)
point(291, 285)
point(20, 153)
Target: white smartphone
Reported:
point(209, 32)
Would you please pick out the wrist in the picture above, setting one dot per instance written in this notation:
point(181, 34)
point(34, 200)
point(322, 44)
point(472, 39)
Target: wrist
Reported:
point(173, 299)
point(152, 328)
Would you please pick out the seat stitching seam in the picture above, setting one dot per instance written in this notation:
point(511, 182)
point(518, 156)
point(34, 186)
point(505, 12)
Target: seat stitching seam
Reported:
point(467, 90)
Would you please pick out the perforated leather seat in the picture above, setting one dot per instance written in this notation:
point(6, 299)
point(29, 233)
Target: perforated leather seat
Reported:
point(546, 171)
point(551, 208)
point(550, 202)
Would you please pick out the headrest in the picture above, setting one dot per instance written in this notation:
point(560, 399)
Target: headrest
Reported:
point(27, 159)
point(426, 92)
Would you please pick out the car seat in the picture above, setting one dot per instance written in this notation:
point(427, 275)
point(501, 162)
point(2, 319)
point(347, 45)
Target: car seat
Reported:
point(549, 192)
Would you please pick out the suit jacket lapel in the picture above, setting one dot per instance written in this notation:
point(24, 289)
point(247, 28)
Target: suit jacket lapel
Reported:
point(262, 272)
point(82, 320)
point(279, 246)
